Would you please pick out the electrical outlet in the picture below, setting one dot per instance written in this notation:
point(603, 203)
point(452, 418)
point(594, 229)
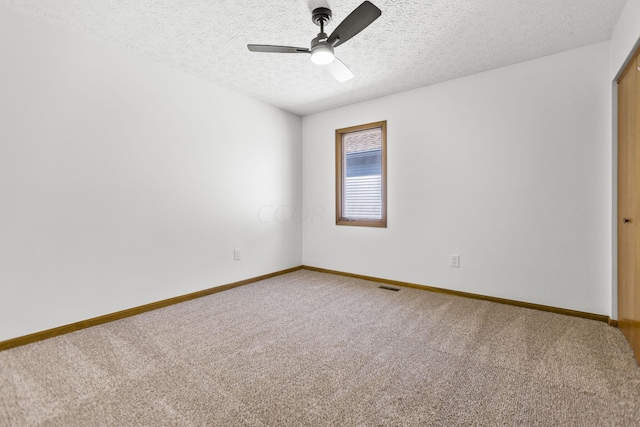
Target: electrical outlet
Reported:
point(236, 254)
point(454, 260)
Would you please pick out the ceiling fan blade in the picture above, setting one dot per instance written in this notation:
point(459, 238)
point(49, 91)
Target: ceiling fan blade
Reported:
point(357, 21)
point(276, 49)
point(340, 71)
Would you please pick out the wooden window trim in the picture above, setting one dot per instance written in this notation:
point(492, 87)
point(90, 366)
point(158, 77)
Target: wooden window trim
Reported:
point(340, 220)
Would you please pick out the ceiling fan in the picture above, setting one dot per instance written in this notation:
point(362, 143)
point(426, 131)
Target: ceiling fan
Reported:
point(322, 47)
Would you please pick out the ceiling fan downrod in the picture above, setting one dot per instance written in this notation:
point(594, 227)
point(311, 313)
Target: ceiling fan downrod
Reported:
point(321, 16)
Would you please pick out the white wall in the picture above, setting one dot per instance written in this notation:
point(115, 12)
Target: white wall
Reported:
point(124, 182)
point(510, 168)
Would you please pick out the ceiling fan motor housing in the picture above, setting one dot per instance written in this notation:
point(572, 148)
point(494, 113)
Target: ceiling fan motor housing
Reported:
point(320, 40)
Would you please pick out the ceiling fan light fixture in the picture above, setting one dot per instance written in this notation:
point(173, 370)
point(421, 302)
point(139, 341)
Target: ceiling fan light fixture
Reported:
point(322, 54)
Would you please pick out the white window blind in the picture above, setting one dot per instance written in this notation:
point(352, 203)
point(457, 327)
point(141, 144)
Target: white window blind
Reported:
point(362, 174)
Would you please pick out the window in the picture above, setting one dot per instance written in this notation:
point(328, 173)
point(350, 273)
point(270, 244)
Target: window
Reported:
point(361, 175)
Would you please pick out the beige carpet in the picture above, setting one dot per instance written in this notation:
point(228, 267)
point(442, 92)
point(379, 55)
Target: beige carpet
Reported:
point(311, 349)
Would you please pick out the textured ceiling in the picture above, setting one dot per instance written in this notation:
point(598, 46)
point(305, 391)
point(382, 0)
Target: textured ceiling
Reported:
point(414, 43)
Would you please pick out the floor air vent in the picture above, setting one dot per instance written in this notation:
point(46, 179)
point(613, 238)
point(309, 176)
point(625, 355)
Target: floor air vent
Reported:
point(389, 288)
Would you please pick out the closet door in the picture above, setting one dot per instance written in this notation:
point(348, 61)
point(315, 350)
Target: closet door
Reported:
point(628, 205)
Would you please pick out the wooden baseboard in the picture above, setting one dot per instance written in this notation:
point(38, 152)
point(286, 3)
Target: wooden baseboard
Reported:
point(61, 330)
point(567, 312)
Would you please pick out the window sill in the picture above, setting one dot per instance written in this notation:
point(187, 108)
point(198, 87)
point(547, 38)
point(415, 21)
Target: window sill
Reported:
point(362, 223)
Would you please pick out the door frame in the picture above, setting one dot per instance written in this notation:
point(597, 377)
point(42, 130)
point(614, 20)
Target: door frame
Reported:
point(614, 183)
